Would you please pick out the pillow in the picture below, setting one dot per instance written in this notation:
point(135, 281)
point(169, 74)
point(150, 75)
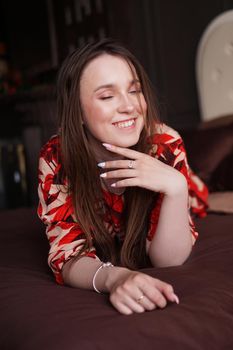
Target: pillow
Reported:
point(221, 202)
point(207, 149)
point(216, 122)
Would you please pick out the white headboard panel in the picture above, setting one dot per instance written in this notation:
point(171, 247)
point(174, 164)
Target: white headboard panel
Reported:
point(214, 68)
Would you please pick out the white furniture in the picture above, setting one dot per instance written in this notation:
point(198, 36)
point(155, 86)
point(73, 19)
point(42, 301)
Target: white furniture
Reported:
point(214, 68)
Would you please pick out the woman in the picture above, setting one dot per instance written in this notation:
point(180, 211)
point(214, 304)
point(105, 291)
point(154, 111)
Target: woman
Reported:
point(115, 187)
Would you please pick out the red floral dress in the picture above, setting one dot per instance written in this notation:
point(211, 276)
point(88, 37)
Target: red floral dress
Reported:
point(55, 207)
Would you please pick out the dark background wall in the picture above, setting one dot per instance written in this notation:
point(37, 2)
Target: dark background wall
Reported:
point(164, 35)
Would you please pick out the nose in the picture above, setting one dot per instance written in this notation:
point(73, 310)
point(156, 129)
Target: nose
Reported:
point(126, 105)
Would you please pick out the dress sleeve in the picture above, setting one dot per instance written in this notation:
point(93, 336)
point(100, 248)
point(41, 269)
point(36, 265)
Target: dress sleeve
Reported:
point(55, 209)
point(169, 148)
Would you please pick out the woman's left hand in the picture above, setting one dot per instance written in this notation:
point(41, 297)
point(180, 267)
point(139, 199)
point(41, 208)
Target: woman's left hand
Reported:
point(142, 170)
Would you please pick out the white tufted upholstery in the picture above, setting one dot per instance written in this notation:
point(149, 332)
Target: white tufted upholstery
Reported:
point(214, 68)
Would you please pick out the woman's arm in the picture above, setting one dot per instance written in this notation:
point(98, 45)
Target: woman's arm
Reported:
point(55, 209)
point(172, 242)
point(126, 287)
point(79, 272)
point(178, 206)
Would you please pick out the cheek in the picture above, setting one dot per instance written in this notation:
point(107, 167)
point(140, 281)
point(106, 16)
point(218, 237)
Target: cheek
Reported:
point(95, 113)
point(142, 107)
point(99, 113)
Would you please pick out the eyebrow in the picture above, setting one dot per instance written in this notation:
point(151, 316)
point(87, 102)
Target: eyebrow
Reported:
point(110, 86)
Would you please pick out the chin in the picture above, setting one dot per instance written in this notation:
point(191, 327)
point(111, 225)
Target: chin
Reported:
point(126, 143)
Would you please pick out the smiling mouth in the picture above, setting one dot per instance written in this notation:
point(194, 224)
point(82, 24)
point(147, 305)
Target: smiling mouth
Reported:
point(125, 124)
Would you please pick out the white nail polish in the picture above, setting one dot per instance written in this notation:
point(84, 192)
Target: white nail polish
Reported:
point(176, 299)
point(101, 165)
point(113, 185)
point(103, 175)
point(107, 145)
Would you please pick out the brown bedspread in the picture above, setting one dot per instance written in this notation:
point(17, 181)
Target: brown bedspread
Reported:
point(35, 313)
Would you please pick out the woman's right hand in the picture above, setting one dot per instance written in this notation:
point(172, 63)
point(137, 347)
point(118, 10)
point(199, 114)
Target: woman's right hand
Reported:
point(137, 292)
point(130, 291)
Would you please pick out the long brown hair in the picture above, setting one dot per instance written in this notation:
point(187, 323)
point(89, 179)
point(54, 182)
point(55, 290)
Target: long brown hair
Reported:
point(79, 160)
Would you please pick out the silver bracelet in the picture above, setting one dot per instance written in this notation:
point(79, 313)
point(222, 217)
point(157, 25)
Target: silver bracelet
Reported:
point(107, 264)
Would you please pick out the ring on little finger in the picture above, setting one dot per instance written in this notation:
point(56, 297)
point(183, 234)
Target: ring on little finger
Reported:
point(139, 300)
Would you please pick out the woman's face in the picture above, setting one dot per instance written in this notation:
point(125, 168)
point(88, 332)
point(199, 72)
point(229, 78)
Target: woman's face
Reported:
point(112, 102)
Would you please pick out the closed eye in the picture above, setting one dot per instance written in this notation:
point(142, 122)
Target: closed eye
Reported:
point(106, 97)
point(135, 91)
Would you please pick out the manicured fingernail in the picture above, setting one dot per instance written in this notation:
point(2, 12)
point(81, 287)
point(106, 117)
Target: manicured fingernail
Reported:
point(103, 175)
point(107, 145)
point(113, 185)
point(176, 299)
point(101, 165)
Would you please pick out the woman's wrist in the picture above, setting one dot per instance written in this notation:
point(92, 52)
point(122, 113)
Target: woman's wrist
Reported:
point(114, 276)
point(178, 187)
point(102, 266)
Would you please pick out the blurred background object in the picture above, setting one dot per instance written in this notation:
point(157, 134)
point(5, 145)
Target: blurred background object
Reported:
point(214, 68)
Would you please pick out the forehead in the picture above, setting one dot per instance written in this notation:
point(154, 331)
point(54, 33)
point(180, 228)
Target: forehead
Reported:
point(108, 68)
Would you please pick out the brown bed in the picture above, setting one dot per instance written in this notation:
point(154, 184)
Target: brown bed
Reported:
point(36, 313)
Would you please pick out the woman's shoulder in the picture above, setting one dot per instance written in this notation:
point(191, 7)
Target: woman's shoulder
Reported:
point(165, 142)
point(50, 161)
point(51, 149)
point(165, 134)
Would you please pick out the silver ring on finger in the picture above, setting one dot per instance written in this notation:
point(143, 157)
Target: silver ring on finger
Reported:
point(139, 300)
point(130, 165)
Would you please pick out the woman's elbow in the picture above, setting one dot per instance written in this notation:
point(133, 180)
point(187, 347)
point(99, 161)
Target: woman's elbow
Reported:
point(170, 260)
